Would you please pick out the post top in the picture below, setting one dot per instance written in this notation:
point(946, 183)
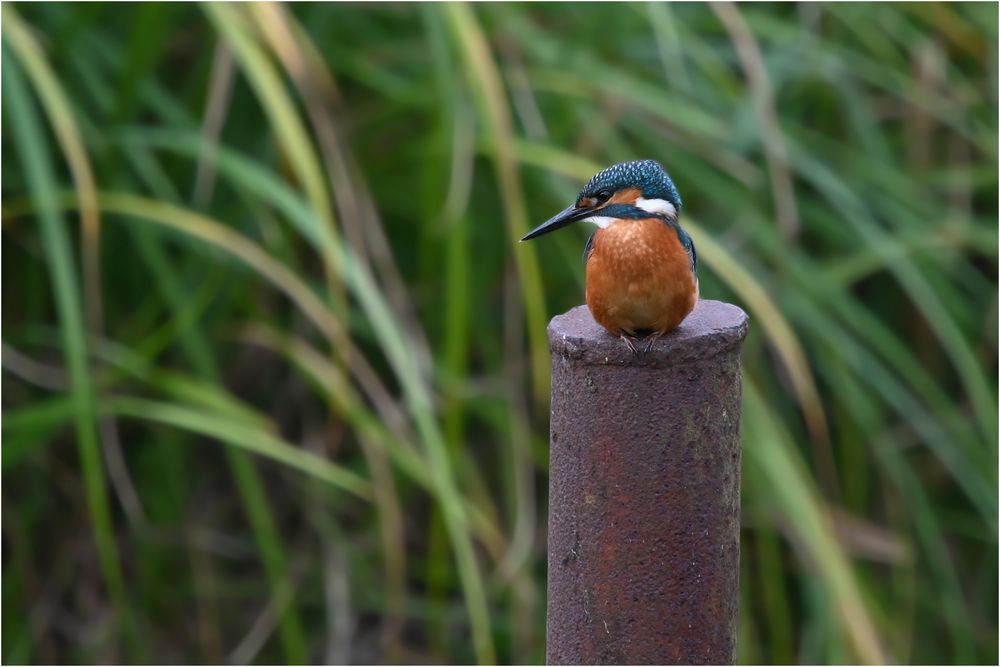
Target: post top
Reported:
point(711, 328)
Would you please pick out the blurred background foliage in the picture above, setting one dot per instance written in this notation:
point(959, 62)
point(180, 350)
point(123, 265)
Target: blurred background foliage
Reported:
point(275, 375)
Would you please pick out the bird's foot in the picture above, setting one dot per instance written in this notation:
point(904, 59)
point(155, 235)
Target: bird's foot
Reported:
point(630, 341)
point(650, 341)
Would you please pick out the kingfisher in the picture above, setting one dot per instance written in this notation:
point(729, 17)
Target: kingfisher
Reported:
point(642, 268)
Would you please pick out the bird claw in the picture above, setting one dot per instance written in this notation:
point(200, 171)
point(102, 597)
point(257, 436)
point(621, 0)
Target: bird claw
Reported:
point(647, 342)
point(630, 341)
point(651, 341)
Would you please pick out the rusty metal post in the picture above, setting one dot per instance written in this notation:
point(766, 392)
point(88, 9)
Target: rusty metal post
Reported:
point(644, 492)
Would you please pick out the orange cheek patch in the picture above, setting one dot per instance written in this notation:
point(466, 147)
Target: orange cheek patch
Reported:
point(627, 196)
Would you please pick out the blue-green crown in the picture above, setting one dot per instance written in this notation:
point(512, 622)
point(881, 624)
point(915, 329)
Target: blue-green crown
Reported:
point(647, 175)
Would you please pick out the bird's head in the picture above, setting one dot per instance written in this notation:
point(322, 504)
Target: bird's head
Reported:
point(630, 190)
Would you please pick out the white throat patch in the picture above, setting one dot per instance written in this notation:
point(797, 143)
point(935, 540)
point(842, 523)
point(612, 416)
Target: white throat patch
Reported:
point(601, 221)
point(661, 206)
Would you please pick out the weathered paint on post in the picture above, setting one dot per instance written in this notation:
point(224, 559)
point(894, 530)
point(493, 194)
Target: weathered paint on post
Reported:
point(644, 492)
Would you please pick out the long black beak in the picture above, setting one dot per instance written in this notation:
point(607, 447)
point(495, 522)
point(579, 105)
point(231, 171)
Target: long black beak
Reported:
point(561, 219)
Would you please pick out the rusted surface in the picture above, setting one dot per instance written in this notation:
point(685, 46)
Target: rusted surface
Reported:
point(644, 492)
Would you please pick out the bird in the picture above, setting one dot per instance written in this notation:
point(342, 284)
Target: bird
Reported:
point(641, 266)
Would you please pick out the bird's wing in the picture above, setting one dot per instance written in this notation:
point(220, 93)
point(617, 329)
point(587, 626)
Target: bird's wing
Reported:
point(688, 244)
point(590, 246)
point(686, 241)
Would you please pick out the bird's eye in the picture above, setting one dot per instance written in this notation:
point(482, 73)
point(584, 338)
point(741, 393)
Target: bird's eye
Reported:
point(602, 196)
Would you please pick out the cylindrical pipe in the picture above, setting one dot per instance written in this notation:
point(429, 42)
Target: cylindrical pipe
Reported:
point(644, 492)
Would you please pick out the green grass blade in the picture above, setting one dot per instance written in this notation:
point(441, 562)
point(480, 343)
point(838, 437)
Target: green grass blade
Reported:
point(786, 477)
point(237, 433)
point(33, 150)
point(487, 90)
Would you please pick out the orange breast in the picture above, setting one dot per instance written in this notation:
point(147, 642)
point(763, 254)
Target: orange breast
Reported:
point(639, 278)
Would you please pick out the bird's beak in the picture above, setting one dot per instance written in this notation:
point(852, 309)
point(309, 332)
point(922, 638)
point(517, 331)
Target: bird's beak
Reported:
point(561, 219)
